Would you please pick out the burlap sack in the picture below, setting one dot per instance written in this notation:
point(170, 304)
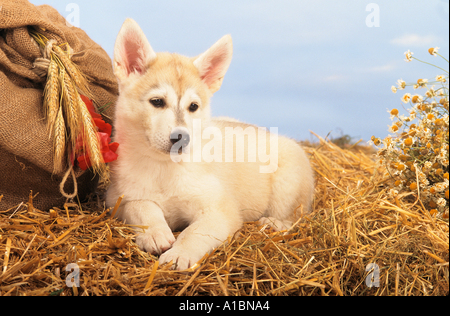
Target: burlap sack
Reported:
point(26, 161)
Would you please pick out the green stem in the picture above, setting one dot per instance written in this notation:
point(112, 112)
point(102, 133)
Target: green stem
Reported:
point(429, 64)
point(442, 57)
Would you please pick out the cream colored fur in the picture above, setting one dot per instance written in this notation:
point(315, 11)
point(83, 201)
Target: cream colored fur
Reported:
point(210, 201)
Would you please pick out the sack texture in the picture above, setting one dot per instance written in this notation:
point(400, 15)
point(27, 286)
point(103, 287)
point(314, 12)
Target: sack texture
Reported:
point(26, 158)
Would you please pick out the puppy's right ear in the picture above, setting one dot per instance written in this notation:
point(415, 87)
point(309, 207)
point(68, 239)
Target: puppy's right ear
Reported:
point(132, 51)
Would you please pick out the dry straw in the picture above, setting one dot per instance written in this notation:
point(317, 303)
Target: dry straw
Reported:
point(354, 223)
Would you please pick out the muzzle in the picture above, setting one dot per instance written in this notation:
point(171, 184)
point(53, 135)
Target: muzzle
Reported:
point(180, 140)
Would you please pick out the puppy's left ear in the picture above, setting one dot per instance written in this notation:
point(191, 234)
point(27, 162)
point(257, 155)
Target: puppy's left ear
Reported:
point(213, 64)
point(132, 51)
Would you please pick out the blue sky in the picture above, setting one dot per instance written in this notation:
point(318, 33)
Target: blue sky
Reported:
point(297, 65)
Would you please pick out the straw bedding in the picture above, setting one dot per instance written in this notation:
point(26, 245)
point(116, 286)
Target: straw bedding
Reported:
point(354, 223)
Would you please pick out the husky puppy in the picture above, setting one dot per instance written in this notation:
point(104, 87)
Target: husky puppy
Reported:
point(178, 168)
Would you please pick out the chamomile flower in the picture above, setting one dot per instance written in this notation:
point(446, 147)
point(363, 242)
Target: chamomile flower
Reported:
point(441, 186)
point(408, 142)
point(394, 89)
point(401, 84)
point(408, 55)
point(433, 51)
point(441, 78)
point(393, 192)
point(406, 97)
point(430, 93)
point(426, 133)
point(422, 176)
point(393, 128)
point(424, 183)
point(442, 158)
point(393, 113)
point(441, 202)
point(403, 118)
point(422, 83)
point(417, 98)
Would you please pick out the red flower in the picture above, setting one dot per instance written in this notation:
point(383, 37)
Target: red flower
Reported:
point(107, 148)
point(108, 151)
point(90, 107)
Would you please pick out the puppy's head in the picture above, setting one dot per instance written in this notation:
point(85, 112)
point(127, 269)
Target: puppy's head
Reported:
point(161, 93)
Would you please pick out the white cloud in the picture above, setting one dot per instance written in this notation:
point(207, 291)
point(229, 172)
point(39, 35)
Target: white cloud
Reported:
point(415, 40)
point(335, 78)
point(382, 68)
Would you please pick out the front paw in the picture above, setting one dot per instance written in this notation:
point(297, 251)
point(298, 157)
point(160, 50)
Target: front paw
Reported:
point(155, 240)
point(276, 224)
point(181, 259)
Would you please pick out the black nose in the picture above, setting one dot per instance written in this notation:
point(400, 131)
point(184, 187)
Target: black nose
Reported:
point(181, 136)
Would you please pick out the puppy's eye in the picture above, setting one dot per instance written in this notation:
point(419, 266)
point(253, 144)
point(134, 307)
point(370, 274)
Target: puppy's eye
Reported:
point(157, 103)
point(193, 107)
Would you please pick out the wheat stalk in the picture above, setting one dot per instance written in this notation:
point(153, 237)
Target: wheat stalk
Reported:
point(67, 115)
point(71, 106)
point(90, 137)
point(75, 74)
point(51, 93)
point(59, 142)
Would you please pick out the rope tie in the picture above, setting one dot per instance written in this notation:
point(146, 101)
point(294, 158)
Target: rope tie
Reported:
point(63, 183)
point(41, 63)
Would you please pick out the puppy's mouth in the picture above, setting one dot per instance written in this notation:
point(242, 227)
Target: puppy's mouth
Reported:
point(176, 144)
point(176, 149)
point(173, 150)
point(156, 147)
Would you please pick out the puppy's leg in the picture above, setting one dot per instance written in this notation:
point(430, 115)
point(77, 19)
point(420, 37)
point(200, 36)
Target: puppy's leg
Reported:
point(158, 237)
point(208, 231)
point(292, 187)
